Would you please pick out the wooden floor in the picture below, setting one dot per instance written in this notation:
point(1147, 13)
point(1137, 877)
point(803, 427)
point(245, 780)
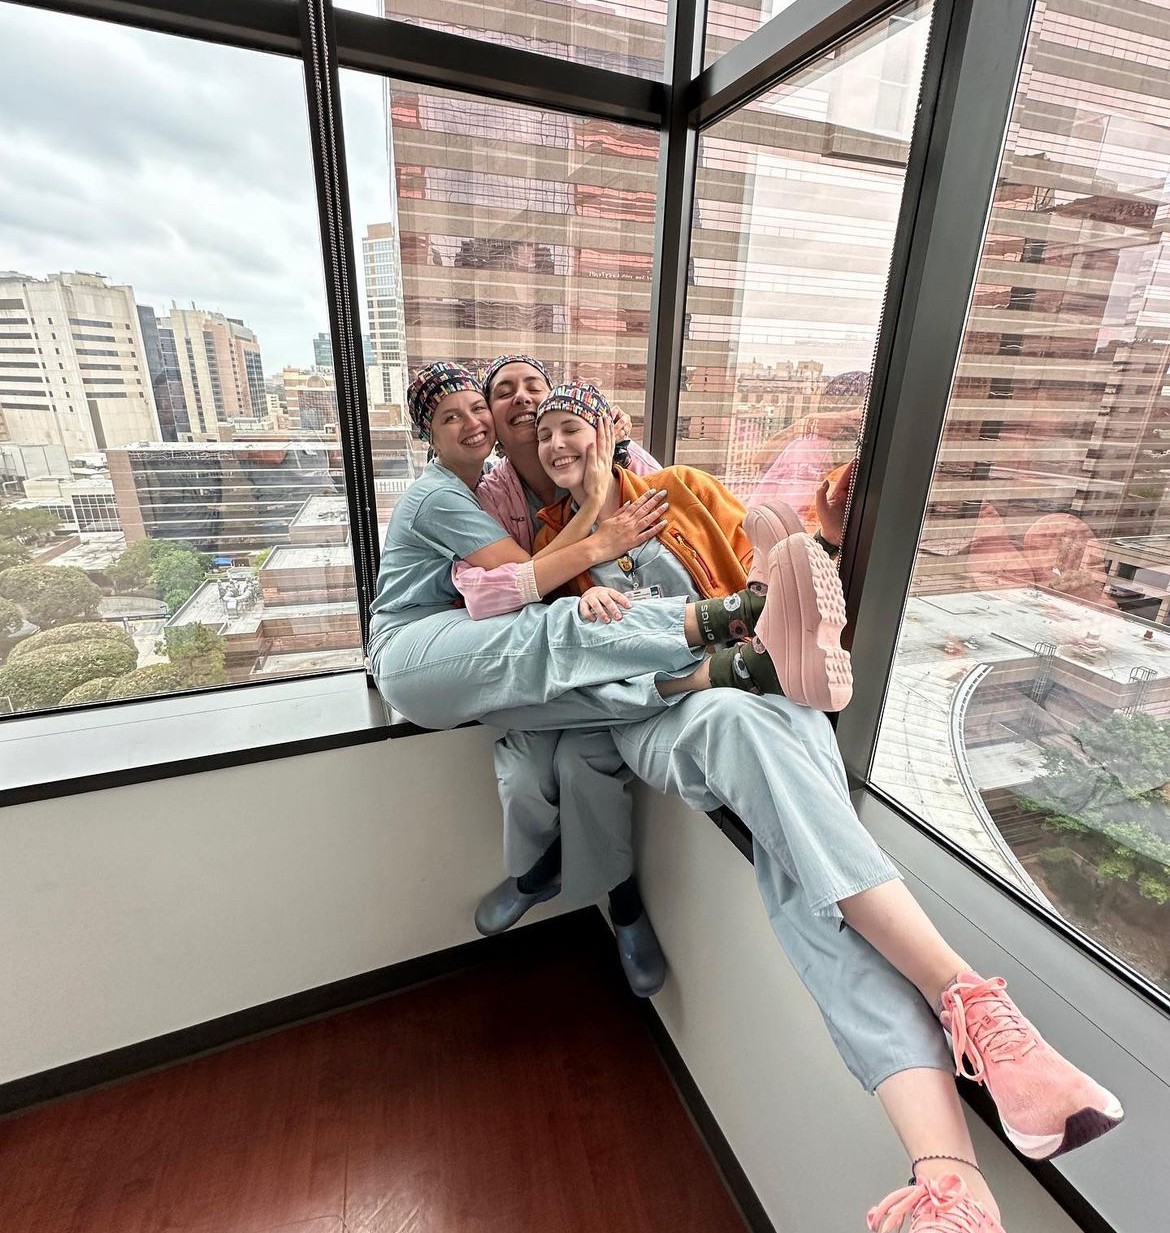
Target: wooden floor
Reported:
point(523, 1096)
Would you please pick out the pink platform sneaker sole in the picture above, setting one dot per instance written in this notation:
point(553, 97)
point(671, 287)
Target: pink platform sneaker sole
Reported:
point(766, 525)
point(801, 625)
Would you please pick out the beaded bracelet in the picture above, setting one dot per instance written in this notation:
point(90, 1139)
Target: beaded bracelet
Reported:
point(958, 1159)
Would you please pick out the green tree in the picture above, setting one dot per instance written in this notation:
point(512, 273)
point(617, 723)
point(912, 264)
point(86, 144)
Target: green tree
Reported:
point(29, 526)
point(12, 552)
point(153, 679)
point(1112, 792)
point(92, 691)
point(131, 571)
point(197, 653)
point(49, 595)
point(177, 576)
point(11, 619)
point(42, 678)
point(82, 631)
point(167, 570)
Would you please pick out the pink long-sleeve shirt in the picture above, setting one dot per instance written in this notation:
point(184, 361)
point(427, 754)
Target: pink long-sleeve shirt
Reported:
point(508, 588)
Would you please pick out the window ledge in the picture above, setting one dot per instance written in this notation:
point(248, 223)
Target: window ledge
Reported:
point(61, 753)
point(1088, 1012)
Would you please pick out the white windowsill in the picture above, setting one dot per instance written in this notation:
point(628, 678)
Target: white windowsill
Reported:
point(62, 752)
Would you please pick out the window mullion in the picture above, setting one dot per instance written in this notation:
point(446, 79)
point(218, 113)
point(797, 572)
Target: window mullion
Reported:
point(974, 63)
point(325, 127)
point(672, 234)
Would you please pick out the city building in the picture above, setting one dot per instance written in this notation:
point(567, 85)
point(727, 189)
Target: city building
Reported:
point(1061, 403)
point(309, 399)
point(237, 498)
point(229, 499)
point(73, 363)
point(219, 367)
point(539, 240)
point(323, 351)
point(20, 463)
point(166, 377)
point(387, 359)
point(85, 503)
point(298, 612)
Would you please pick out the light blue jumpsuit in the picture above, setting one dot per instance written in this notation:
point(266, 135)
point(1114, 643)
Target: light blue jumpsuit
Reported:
point(777, 766)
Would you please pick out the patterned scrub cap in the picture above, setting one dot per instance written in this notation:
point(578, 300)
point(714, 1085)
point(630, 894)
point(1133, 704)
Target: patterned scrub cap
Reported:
point(430, 387)
point(578, 398)
point(502, 361)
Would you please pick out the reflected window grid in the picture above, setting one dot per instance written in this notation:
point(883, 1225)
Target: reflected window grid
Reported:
point(1034, 646)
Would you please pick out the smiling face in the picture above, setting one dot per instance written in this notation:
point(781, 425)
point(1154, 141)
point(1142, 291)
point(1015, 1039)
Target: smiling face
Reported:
point(562, 440)
point(518, 389)
point(461, 430)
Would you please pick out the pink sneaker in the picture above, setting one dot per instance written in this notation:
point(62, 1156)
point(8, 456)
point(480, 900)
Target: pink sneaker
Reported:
point(800, 626)
point(1047, 1106)
point(766, 525)
point(940, 1205)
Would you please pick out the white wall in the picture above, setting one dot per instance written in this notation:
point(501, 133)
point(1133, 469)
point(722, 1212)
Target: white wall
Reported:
point(814, 1145)
point(132, 912)
point(128, 913)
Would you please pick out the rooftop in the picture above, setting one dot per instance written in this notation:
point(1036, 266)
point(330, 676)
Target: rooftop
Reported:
point(309, 556)
point(96, 552)
point(946, 646)
point(238, 611)
point(322, 511)
point(310, 661)
point(1000, 625)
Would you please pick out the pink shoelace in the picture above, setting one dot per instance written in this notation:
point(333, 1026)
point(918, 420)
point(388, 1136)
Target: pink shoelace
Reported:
point(985, 1024)
point(942, 1200)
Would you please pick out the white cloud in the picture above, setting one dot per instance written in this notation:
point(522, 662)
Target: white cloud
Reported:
point(179, 167)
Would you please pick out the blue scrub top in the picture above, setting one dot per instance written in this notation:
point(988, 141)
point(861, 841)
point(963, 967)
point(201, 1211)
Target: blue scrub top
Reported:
point(654, 565)
point(437, 522)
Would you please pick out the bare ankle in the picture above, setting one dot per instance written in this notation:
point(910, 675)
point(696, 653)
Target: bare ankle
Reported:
point(929, 1168)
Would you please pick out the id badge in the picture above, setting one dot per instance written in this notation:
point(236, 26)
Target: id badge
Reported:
point(651, 592)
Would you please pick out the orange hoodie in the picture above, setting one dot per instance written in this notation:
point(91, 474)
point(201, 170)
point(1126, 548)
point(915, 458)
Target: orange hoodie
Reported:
point(704, 527)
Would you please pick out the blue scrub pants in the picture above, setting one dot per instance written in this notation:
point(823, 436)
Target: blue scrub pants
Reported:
point(543, 667)
point(573, 784)
point(776, 765)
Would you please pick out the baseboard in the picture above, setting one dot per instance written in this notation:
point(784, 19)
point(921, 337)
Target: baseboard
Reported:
point(746, 1199)
point(578, 928)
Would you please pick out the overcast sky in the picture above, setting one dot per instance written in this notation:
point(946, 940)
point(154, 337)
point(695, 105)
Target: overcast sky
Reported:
point(178, 167)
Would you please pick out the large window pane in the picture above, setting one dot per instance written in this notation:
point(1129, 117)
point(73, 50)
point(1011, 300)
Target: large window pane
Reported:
point(797, 200)
point(486, 228)
point(171, 487)
point(1028, 715)
point(627, 36)
point(730, 22)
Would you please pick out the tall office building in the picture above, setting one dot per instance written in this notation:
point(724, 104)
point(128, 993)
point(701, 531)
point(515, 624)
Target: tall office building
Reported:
point(526, 229)
point(323, 351)
point(73, 363)
point(235, 498)
point(166, 379)
point(309, 399)
point(382, 266)
point(796, 204)
point(219, 365)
